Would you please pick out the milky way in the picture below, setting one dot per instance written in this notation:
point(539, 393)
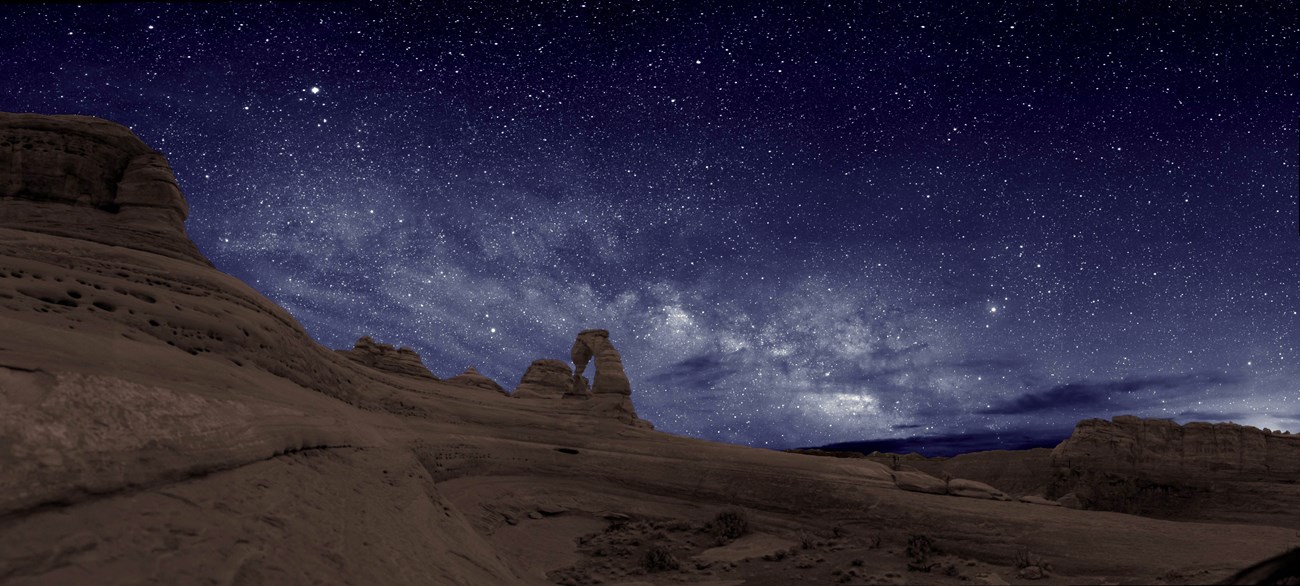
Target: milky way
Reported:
point(801, 225)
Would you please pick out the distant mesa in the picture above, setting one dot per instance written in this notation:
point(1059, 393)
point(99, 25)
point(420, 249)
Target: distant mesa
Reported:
point(403, 361)
point(473, 378)
point(92, 179)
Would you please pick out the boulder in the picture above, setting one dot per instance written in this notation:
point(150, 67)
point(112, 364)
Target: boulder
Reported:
point(919, 482)
point(973, 489)
point(472, 378)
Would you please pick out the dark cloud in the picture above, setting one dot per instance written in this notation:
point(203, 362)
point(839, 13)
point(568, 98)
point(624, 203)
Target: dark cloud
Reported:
point(1089, 395)
point(702, 371)
point(1212, 415)
point(953, 444)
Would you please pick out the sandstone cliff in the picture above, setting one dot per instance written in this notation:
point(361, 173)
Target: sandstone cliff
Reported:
point(90, 179)
point(1155, 467)
point(1159, 448)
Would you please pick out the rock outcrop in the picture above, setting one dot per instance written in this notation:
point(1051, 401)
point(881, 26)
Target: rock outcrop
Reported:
point(1160, 448)
point(610, 378)
point(975, 489)
point(916, 481)
point(473, 378)
point(545, 379)
point(610, 388)
point(90, 179)
point(1159, 468)
point(403, 361)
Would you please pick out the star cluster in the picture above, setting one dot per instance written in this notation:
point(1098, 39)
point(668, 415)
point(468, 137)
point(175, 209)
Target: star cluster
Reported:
point(802, 224)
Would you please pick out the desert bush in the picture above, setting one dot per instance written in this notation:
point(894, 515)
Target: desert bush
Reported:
point(919, 549)
point(874, 542)
point(658, 558)
point(729, 524)
point(807, 540)
point(1023, 558)
point(839, 531)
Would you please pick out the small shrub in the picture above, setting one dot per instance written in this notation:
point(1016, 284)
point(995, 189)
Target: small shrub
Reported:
point(919, 548)
point(807, 540)
point(858, 562)
point(729, 524)
point(659, 559)
point(1023, 558)
point(874, 542)
point(839, 531)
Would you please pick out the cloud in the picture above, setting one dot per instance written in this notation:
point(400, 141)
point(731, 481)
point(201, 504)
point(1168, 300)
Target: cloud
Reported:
point(953, 444)
point(1212, 415)
point(1089, 395)
point(702, 371)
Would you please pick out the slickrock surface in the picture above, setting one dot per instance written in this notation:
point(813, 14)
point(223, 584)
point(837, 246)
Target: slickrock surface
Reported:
point(387, 358)
point(1016, 472)
point(164, 423)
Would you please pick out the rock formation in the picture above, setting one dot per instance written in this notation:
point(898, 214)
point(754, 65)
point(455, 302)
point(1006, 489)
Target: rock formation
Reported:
point(975, 489)
point(1160, 448)
point(1160, 468)
point(610, 378)
point(384, 357)
point(473, 378)
point(610, 388)
point(90, 179)
point(545, 379)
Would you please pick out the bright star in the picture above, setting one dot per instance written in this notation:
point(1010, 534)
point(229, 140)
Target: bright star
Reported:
point(315, 90)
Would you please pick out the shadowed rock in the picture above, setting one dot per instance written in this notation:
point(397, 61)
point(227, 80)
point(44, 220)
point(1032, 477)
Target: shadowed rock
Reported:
point(545, 379)
point(90, 179)
point(473, 378)
point(387, 358)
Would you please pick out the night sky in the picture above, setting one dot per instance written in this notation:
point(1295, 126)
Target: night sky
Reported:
point(802, 223)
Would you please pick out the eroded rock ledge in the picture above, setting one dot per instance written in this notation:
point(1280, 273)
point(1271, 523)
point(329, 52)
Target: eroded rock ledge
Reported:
point(403, 361)
point(90, 179)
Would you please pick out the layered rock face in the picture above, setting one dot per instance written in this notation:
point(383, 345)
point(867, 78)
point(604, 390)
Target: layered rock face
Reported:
point(1160, 448)
point(545, 379)
point(1220, 471)
point(90, 179)
point(473, 378)
point(403, 361)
